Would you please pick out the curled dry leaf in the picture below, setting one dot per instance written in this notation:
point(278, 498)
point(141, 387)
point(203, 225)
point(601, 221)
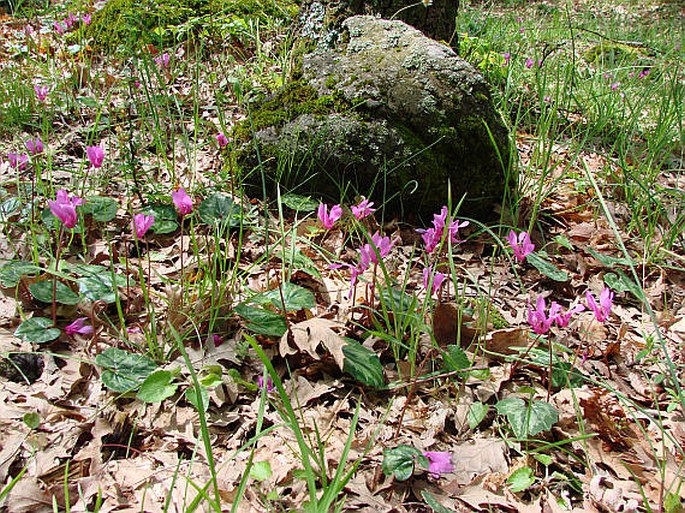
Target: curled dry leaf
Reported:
point(309, 335)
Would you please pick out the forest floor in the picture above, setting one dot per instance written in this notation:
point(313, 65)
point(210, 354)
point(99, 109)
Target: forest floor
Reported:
point(154, 400)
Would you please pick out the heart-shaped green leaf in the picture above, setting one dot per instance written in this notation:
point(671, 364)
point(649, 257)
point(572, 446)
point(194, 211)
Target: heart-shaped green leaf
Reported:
point(102, 208)
point(527, 418)
point(157, 387)
point(295, 298)
point(12, 272)
point(363, 364)
point(42, 291)
point(521, 479)
point(165, 218)
point(476, 414)
point(299, 203)
point(124, 371)
point(262, 322)
point(219, 209)
point(38, 330)
point(401, 460)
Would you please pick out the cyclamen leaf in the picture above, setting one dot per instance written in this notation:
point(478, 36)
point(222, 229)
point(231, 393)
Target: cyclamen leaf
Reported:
point(547, 268)
point(261, 321)
point(220, 210)
point(124, 371)
point(11, 273)
point(38, 330)
point(103, 209)
point(363, 364)
point(400, 461)
point(42, 291)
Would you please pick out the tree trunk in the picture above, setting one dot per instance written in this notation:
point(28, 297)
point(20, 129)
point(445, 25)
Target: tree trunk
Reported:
point(320, 18)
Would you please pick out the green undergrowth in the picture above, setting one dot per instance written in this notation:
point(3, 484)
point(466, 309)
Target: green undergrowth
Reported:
point(122, 25)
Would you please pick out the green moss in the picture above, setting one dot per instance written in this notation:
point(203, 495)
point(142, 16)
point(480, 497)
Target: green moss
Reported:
point(293, 100)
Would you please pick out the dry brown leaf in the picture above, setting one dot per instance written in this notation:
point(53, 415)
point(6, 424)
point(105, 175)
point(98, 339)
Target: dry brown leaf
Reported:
point(504, 341)
point(28, 496)
point(479, 498)
point(477, 458)
point(309, 335)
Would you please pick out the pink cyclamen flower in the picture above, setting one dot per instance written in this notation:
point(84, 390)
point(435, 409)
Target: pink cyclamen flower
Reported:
point(163, 60)
point(507, 58)
point(95, 155)
point(643, 73)
point(439, 463)
point(59, 28)
point(562, 319)
point(182, 202)
point(328, 219)
point(221, 139)
point(85, 18)
point(538, 319)
point(35, 146)
point(521, 245)
point(79, 326)
point(17, 161)
point(64, 208)
point(432, 236)
point(41, 92)
point(603, 309)
point(437, 278)
point(371, 253)
point(615, 86)
point(529, 63)
point(269, 383)
point(141, 224)
point(363, 209)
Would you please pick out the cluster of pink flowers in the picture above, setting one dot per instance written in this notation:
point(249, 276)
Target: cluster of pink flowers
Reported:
point(329, 218)
point(541, 322)
point(369, 254)
point(432, 236)
point(163, 60)
point(70, 22)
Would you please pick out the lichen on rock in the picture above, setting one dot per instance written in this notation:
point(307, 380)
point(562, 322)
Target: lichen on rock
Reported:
point(389, 113)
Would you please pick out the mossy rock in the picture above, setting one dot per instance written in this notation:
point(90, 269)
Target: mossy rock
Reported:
point(126, 24)
point(389, 114)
